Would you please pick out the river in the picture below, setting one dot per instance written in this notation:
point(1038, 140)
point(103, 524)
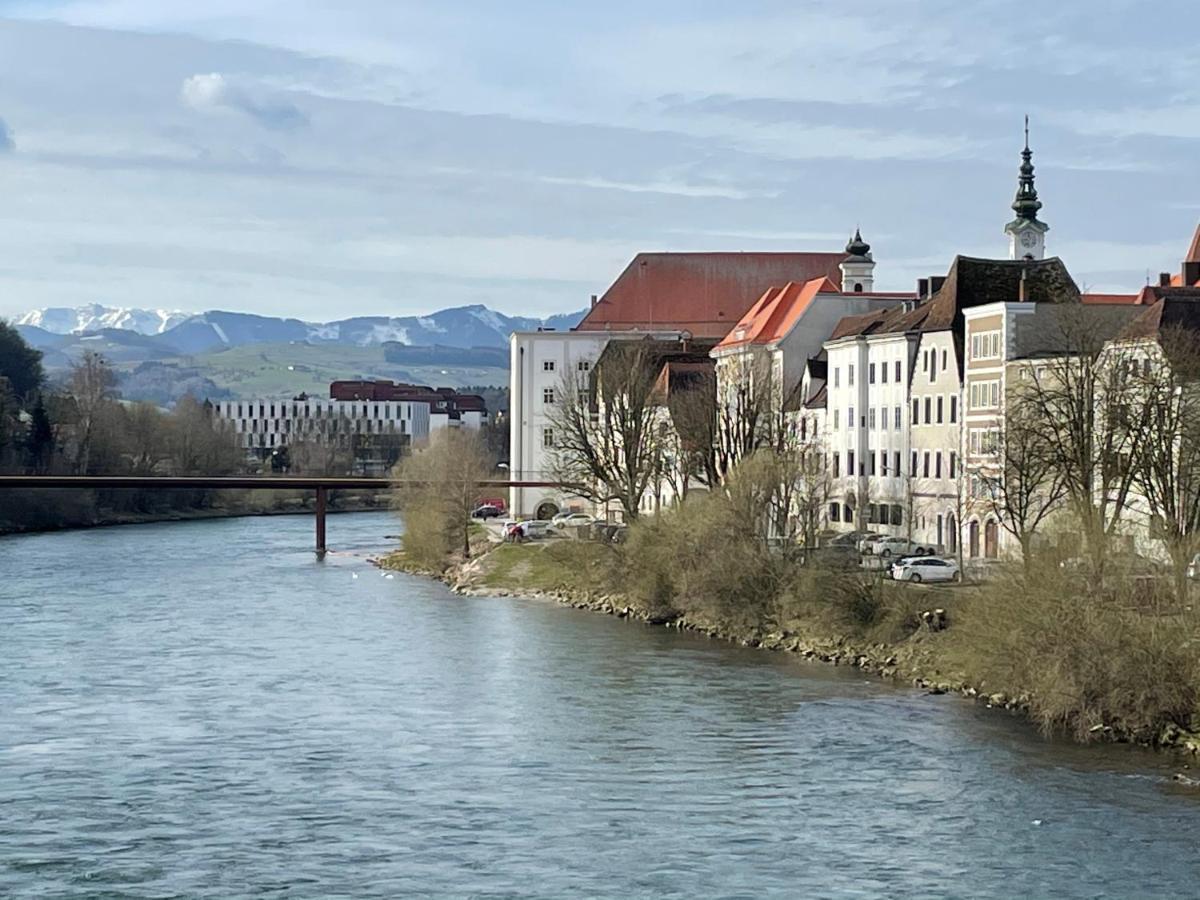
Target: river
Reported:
point(203, 710)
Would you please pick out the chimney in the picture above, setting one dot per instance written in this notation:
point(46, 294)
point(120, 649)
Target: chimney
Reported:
point(1022, 296)
point(594, 299)
point(1164, 279)
point(1191, 273)
point(935, 283)
point(922, 288)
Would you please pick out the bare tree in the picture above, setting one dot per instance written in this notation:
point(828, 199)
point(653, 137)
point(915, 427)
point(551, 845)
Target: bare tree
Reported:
point(1166, 435)
point(749, 410)
point(1025, 483)
point(608, 443)
point(1076, 401)
point(93, 386)
point(436, 489)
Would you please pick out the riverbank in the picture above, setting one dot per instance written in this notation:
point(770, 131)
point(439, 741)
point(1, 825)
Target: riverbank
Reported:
point(914, 640)
point(290, 506)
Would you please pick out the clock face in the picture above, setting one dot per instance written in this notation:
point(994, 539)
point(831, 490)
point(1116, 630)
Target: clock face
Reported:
point(1028, 239)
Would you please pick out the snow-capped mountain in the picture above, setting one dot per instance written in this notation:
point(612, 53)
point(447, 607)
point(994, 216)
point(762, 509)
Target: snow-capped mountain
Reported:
point(463, 326)
point(95, 317)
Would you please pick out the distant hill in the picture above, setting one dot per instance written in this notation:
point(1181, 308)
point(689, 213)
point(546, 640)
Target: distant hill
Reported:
point(222, 354)
point(463, 326)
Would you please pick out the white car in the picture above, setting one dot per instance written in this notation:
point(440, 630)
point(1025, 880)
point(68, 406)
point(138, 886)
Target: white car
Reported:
point(574, 520)
point(867, 544)
point(898, 546)
point(925, 568)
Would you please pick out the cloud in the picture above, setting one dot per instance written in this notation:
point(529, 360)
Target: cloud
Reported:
point(7, 145)
point(214, 92)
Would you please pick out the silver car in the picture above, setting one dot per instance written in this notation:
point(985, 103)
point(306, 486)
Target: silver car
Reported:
point(925, 568)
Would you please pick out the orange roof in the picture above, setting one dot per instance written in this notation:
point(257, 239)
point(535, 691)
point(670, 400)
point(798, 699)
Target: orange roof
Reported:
point(776, 313)
point(1193, 254)
point(704, 293)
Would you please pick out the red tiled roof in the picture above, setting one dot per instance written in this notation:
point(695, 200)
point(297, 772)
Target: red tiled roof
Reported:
point(1172, 308)
point(776, 313)
point(704, 293)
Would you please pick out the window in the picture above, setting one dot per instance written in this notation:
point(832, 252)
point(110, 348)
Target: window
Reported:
point(932, 366)
point(548, 395)
point(883, 373)
point(835, 512)
point(896, 464)
point(916, 416)
point(850, 376)
point(939, 410)
point(925, 465)
point(925, 361)
point(985, 395)
point(897, 371)
point(837, 377)
point(548, 365)
point(937, 467)
point(584, 365)
point(913, 471)
point(897, 421)
point(928, 410)
point(871, 411)
point(943, 360)
point(837, 465)
point(837, 419)
point(849, 462)
point(953, 464)
point(897, 514)
point(985, 345)
point(871, 373)
point(871, 457)
point(883, 418)
point(883, 461)
point(547, 437)
point(953, 409)
point(850, 417)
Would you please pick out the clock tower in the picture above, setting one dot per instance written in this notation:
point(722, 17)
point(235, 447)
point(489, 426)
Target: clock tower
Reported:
point(1026, 233)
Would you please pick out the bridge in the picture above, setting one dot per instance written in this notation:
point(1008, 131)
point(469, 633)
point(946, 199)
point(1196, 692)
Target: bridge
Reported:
point(320, 484)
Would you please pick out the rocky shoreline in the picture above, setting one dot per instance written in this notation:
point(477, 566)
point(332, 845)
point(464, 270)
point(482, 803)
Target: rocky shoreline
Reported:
point(899, 663)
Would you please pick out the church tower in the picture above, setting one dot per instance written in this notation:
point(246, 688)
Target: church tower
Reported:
point(858, 268)
point(1026, 233)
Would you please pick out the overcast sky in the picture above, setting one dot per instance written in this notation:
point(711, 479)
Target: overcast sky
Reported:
point(327, 159)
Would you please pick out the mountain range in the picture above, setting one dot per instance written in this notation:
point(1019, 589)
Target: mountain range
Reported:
point(166, 332)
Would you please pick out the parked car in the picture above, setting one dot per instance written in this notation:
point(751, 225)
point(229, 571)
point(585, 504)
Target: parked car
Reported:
point(867, 544)
point(536, 528)
point(899, 546)
point(486, 511)
point(848, 539)
point(900, 563)
point(574, 520)
point(926, 568)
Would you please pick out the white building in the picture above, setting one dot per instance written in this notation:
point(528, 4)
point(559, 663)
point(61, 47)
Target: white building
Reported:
point(266, 424)
point(671, 296)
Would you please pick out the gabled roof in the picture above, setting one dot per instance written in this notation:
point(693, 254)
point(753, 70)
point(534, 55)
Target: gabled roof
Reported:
point(862, 323)
point(704, 293)
point(1193, 254)
point(1174, 308)
point(776, 312)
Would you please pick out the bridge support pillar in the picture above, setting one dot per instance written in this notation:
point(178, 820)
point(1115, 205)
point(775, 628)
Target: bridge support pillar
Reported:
point(321, 496)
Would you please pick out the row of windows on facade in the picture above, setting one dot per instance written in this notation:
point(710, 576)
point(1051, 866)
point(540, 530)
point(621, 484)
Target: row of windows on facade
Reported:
point(549, 365)
point(929, 365)
point(935, 414)
point(985, 345)
point(299, 411)
point(932, 467)
point(324, 426)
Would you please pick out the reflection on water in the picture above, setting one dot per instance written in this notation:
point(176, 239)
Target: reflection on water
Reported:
point(201, 709)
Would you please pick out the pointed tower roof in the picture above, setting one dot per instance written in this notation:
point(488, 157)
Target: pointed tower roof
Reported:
point(856, 246)
point(1193, 254)
point(1026, 203)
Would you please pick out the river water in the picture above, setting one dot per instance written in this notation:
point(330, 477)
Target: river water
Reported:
point(203, 710)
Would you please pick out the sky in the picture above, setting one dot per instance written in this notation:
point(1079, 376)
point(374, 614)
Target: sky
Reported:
point(384, 157)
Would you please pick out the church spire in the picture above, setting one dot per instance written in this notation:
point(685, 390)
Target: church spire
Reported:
point(1026, 204)
point(1027, 233)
